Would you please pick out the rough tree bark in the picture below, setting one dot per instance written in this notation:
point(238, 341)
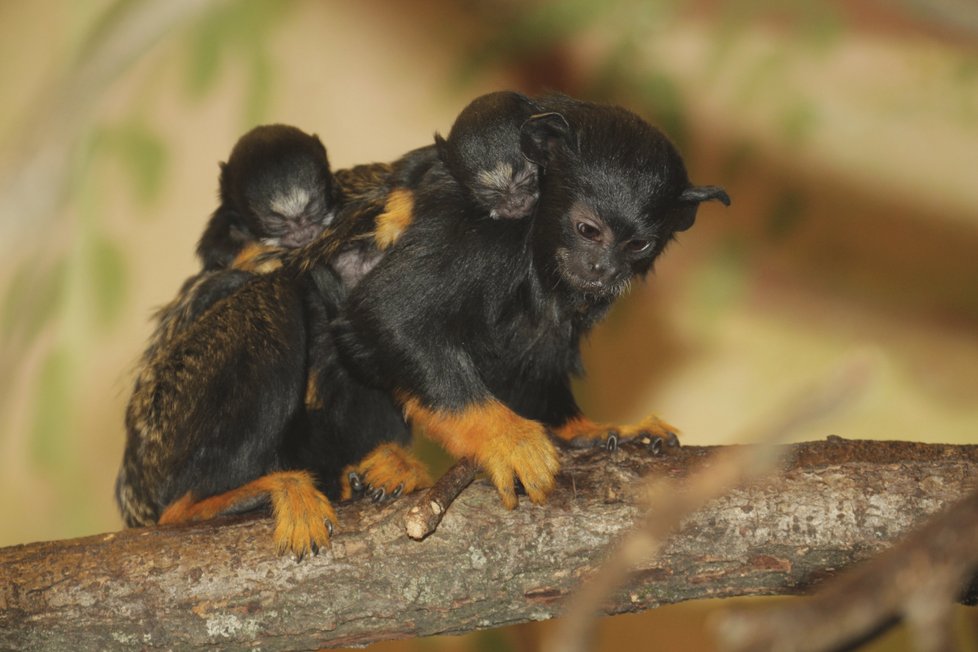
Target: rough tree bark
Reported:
point(833, 503)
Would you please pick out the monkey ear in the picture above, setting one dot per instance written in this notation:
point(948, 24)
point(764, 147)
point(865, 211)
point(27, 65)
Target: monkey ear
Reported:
point(222, 239)
point(441, 145)
point(697, 194)
point(541, 134)
point(321, 148)
point(691, 198)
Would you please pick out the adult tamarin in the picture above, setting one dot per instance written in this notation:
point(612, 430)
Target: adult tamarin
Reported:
point(239, 400)
point(474, 325)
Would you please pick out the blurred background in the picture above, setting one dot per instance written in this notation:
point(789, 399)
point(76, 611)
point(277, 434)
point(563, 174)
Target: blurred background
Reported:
point(846, 133)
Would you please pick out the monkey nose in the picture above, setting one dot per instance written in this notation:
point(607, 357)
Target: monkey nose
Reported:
point(602, 272)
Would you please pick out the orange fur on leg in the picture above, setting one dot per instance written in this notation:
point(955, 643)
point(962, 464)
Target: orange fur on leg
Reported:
point(581, 431)
point(303, 515)
point(397, 215)
point(389, 468)
point(503, 443)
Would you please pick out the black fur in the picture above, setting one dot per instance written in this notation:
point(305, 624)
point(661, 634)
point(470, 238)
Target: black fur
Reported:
point(276, 188)
point(495, 150)
point(461, 310)
point(220, 396)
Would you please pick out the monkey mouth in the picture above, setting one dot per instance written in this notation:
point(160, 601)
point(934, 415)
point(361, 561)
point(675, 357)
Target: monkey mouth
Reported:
point(301, 236)
point(593, 287)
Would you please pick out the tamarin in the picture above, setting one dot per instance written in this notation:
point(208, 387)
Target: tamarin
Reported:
point(495, 151)
point(237, 402)
point(276, 190)
point(240, 400)
point(474, 326)
point(495, 160)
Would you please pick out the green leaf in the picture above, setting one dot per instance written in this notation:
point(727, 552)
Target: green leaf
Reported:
point(108, 274)
point(145, 157)
point(661, 94)
point(259, 88)
point(53, 412)
point(142, 153)
point(207, 43)
point(798, 121)
point(238, 30)
point(721, 283)
point(31, 300)
point(537, 27)
point(786, 215)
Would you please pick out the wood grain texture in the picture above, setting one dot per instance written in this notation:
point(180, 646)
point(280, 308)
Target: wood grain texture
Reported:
point(221, 584)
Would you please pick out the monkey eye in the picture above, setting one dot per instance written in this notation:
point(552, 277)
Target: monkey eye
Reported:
point(637, 246)
point(588, 231)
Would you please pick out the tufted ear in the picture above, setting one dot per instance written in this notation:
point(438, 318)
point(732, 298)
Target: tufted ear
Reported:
point(541, 134)
point(697, 194)
point(691, 198)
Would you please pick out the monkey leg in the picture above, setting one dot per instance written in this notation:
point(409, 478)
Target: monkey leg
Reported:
point(388, 471)
point(303, 516)
point(397, 215)
point(504, 444)
point(581, 432)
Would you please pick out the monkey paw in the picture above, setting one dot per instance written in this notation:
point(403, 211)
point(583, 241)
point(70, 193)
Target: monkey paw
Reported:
point(523, 455)
point(652, 431)
point(507, 446)
point(304, 517)
point(386, 472)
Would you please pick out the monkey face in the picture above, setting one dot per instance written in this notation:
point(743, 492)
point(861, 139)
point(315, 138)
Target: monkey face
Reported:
point(509, 190)
point(600, 258)
point(613, 197)
point(279, 182)
point(292, 214)
point(495, 150)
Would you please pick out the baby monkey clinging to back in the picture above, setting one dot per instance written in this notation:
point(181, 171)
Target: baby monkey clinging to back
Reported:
point(276, 190)
point(496, 149)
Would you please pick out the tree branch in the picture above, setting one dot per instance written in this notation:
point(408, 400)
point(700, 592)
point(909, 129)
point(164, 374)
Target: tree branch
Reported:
point(834, 503)
point(917, 580)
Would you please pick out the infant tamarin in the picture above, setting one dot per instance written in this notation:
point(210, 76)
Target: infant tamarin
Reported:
point(496, 149)
point(276, 190)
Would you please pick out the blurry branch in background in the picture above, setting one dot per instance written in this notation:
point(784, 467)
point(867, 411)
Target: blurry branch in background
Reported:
point(918, 581)
point(70, 278)
point(35, 175)
point(60, 291)
point(670, 502)
point(953, 15)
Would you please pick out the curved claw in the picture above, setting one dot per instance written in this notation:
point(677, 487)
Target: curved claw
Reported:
point(397, 490)
point(612, 442)
point(329, 526)
point(672, 440)
point(378, 494)
point(356, 483)
point(656, 445)
point(518, 487)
